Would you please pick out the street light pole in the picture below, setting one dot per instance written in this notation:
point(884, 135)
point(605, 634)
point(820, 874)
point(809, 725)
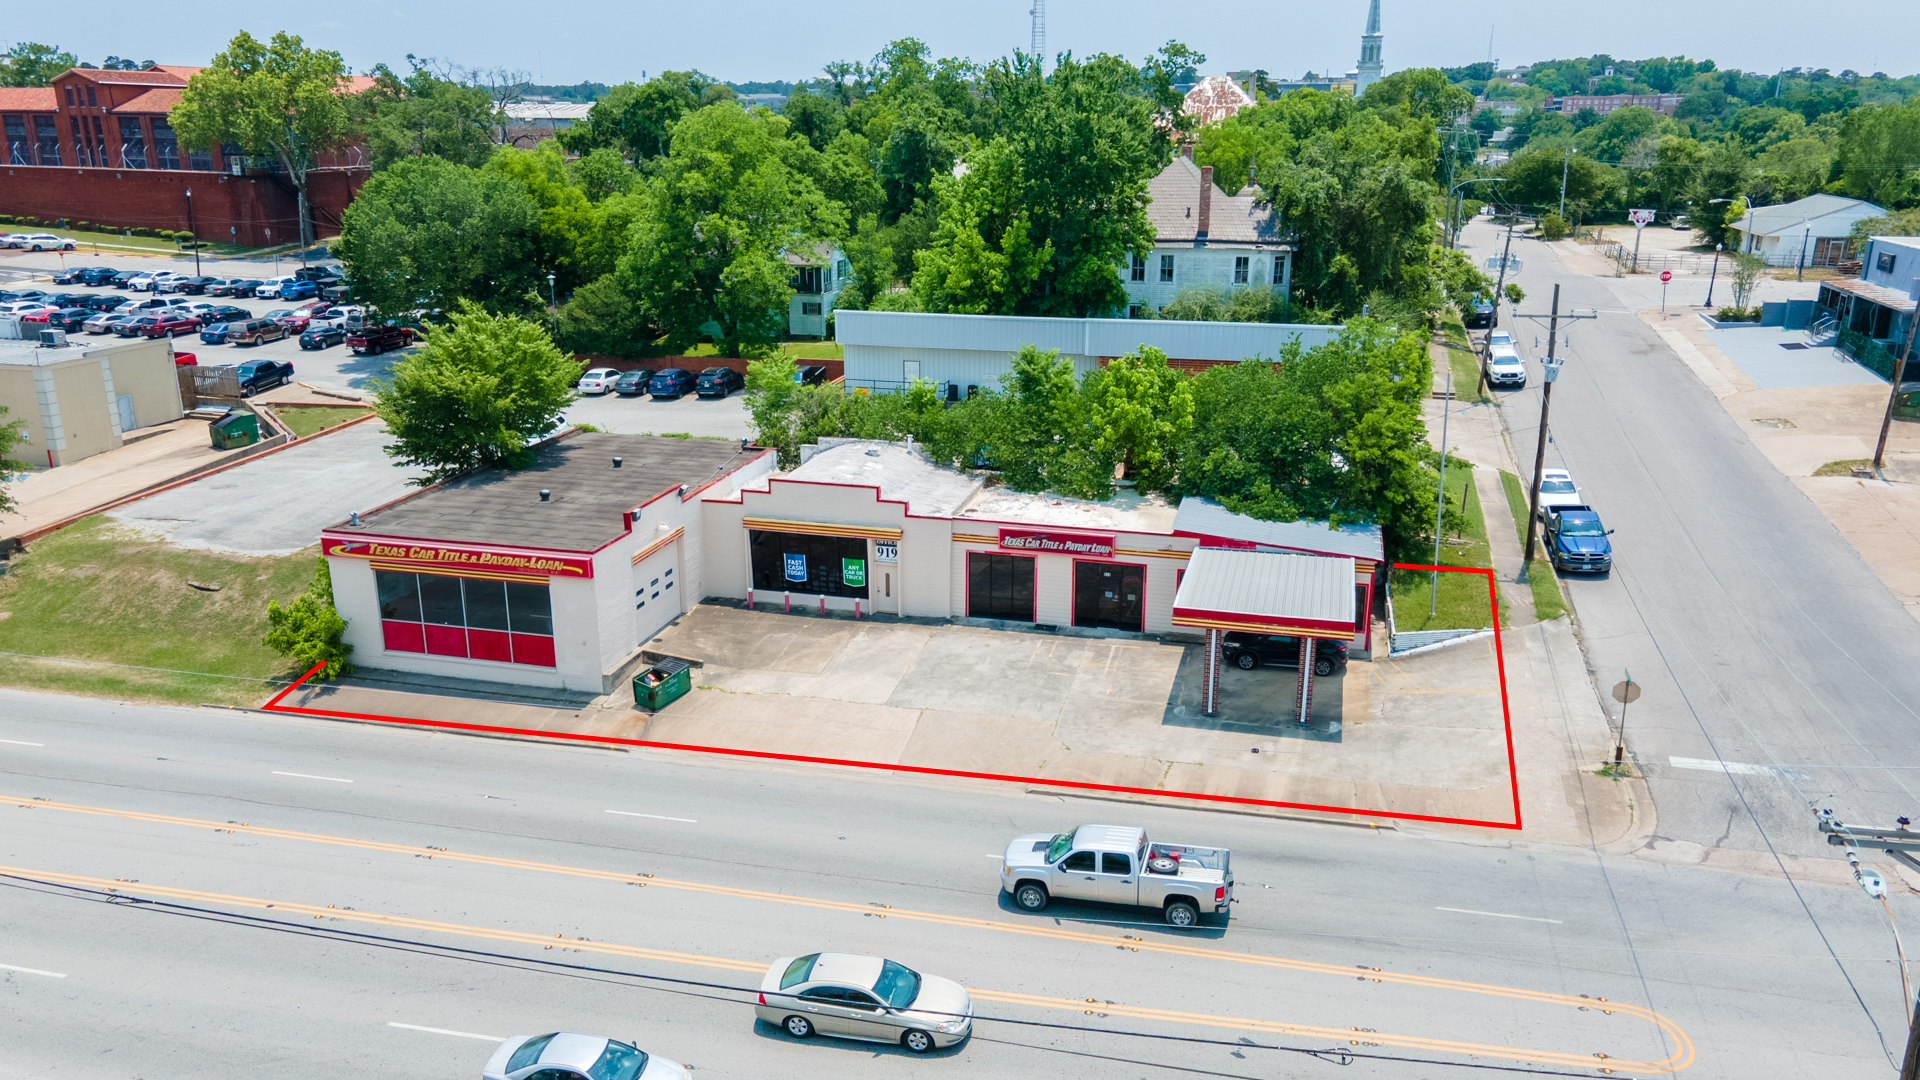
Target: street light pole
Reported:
point(1715, 275)
point(1565, 164)
point(196, 236)
point(1540, 453)
point(553, 307)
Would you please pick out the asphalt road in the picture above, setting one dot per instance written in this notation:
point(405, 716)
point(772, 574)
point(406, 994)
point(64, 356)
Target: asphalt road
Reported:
point(1777, 671)
point(212, 893)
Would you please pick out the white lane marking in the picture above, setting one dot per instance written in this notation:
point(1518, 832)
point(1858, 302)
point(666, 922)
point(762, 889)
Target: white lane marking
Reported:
point(444, 1031)
point(1736, 768)
point(32, 971)
point(656, 817)
point(993, 856)
point(309, 776)
point(17, 742)
point(1498, 915)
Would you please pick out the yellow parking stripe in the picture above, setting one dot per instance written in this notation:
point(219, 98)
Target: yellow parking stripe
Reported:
point(1682, 1057)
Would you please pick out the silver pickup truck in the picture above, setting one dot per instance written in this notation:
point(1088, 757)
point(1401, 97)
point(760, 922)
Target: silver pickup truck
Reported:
point(1114, 864)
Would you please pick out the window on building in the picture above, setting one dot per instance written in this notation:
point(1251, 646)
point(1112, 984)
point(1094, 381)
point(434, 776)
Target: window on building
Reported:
point(797, 562)
point(46, 132)
point(70, 99)
point(1240, 269)
point(235, 161)
point(1000, 586)
point(1138, 270)
point(166, 150)
point(133, 143)
point(1134, 311)
point(1166, 268)
point(807, 280)
point(846, 270)
point(200, 160)
point(1279, 269)
point(1884, 263)
point(81, 152)
point(92, 102)
point(508, 622)
point(809, 307)
point(17, 149)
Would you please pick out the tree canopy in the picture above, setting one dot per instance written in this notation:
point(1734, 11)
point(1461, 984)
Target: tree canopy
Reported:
point(425, 114)
point(428, 234)
point(29, 63)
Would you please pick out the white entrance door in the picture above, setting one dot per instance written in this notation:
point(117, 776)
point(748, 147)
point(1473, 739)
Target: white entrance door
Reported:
point(658, 597)
point(909, 371)
point(126, 412)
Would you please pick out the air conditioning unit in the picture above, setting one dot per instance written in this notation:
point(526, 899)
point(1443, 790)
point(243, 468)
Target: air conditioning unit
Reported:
point(53, 339)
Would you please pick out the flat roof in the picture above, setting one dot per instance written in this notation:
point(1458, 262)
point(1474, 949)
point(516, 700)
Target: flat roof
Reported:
point(1126, 511)
point(1179, 339)
point(1229, 586)
point(902, 474)
point(502, 507)
point(1205, 520)
point(29, 353)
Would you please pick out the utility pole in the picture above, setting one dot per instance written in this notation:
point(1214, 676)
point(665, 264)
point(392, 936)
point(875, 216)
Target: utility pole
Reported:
point(1898, 842)
point(1899, 373)
point(1440, 498)
point(1486, 349)
point(1540, 453)
point(1564, 166)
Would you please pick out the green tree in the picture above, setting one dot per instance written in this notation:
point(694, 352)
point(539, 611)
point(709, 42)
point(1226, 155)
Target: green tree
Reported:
point(31, 64)
point(475, 394)
point(726, 208)
point(1424, 93)
point(1880, 154)
point(425, 114)
point(983, 260)
point(1534, 177)
point(1611, 138)
point(426, 233)
point(1140, 410)
point(12, 434)
point(638, 119)
point(1032, 436)
point(280, 100)
point(1216, 303)
point(819, 118)
point(1898, 223)
point(602, 173)
point(603, 317)
point(1674, 162)
point(309, 630)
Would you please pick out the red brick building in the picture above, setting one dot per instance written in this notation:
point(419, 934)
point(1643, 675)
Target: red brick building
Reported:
point(1602, 104)
point(97, 146)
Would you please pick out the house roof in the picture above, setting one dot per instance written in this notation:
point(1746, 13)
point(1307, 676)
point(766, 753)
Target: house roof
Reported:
point(547, 110)
point(1266, 589)
point(164, 75)
point(589, 494)
point(821, 256)
point(28, 99)
point(1211, 523)
point(1234, 219)
point(160, 99)
point(1215, 98)
point(1773, 220)
point(1878, 294)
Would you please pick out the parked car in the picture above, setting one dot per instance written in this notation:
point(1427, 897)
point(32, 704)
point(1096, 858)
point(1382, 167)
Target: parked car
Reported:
point(69, 319)
point(171, 324)
point(142, 281)
point(22, 307)
point(295, 320)
point(1557, 489)
point(106, 322)
point(598, 380)
point(270, 290)
point(811, 375)
point(1116, 864)
point(100, 302)
point(138, 326)
point(632, 383)
point(254, 331)
point(341, 315)
point(375, 339)
point(170, 282)
point(18, 295)
point(1577, 541)
point(299, 290)
point(98, 275)
point(562, 1055)
point(185, 359)
point(322, 335)
point(123, 279)
point(44, 242)
point(215, 333)
point(868, 998)
point(319, 275)
point(214, 313)
point(13, 240)
point(336, 293)
point(236, 287)
point(1679, 222)
point(1480, 314)
point(670, 383)
point(193, 286)
point(1505, 368)
point(718, 382)
point(73, 275)
point(1250, 651)
point(258, 375)
point(151, 303)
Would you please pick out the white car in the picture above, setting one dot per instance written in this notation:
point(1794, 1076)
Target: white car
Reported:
point(1505, 368)
point(23, 307)
point(42, 242)
point(1497, 338)
point(864, 997)
point(563, 1055)
point(341, 316)
point(270, 290)
point(599, 380)
point(141, 282)
point(14, 240)
point(1557, 489)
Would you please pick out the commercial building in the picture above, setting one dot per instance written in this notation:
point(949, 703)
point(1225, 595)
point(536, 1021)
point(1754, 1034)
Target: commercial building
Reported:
point(1812, 231)
point(1602, 104)
point(82, 399)
point(886, 350)
point(1880, 303)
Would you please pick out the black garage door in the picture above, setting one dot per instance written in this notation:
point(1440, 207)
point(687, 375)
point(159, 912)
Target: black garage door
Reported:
point(999, 586)
point(1109, 595)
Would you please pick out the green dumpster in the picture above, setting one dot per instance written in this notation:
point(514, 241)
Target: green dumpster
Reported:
point(662, 684)
point(235, 430)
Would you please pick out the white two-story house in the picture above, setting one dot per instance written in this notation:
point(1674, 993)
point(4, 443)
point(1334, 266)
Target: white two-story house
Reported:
point(818, 277)
point(1203, 236)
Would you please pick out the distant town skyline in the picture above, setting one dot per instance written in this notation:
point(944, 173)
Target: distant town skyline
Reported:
point(759, 40)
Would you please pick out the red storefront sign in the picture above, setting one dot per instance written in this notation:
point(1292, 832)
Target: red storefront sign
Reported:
point(1056, 543)
point(428, 558)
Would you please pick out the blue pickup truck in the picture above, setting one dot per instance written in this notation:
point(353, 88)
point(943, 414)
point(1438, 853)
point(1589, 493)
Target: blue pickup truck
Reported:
point(1577, 541)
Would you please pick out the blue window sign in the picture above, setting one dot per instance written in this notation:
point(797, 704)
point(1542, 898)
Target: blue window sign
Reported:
point(796, 567)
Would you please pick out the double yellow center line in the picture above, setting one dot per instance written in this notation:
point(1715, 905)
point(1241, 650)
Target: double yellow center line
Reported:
point(1682, 1057)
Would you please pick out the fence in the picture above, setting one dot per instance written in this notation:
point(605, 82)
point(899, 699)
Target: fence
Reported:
point(1653, 262)
point(200, 383)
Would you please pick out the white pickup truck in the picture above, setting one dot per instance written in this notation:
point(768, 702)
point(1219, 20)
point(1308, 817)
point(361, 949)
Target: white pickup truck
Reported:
point(1115, 864)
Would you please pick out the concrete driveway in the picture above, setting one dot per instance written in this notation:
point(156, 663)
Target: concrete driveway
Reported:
point(276, 504)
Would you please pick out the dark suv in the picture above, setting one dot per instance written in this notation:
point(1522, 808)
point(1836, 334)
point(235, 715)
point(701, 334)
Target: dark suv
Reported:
point(1480, 315)
point(672, 382)
point(1249, 651)
point(719, 382)
point(258, 375)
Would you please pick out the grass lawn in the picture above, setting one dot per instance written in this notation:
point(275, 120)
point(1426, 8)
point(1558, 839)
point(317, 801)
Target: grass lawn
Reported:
point(1548, 603)
point(91, 592)
point(1842, 468)
point(309, 420)
point(1464, 361)
point(813, 350)
point(90, 238)
point(1461, 603)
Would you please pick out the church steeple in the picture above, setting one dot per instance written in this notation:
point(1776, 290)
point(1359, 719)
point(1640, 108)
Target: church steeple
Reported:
point(1368, 71)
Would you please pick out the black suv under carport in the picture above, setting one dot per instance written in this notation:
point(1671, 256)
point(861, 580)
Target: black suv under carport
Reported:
point(1249, 651)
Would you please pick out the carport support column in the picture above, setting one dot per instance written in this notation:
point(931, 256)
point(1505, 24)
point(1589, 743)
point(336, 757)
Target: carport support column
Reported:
point(1210, 676)
point(1303, 690)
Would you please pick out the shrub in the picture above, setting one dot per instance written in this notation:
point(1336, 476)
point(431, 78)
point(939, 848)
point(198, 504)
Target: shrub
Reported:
point(1553, 227)
point(83, 226)
point(309, 629)
point(1738, 314)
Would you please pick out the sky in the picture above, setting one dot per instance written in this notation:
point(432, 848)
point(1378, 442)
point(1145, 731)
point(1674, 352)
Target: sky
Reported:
point(612, 41)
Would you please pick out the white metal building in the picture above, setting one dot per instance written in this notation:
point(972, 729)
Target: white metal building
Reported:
point(1813, 230)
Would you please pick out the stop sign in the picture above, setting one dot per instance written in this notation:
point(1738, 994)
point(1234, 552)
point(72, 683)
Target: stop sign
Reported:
point(1666, 276)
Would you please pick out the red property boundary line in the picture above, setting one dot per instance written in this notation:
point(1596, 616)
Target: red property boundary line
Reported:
point(274, 706)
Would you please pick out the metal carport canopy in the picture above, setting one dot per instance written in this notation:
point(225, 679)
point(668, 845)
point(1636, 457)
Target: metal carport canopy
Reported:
point(1267, 592)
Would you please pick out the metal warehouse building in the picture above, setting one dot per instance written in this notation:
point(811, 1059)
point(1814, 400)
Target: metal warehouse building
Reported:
point(886, 350)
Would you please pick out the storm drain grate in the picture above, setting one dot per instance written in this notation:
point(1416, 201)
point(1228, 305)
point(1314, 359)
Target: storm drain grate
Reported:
point(1793, 345)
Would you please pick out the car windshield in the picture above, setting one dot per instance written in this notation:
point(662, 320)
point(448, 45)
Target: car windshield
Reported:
point(1580, 526)
point(618, 1062)
point(1556, 487)
point(897, 985)
point(529, 1052)
point(798, 971)
point(1061, 844)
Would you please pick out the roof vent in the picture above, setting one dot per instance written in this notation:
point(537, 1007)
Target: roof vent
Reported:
point(353, 519)
point(873, 453)
point(545, 495)
point(616, 463)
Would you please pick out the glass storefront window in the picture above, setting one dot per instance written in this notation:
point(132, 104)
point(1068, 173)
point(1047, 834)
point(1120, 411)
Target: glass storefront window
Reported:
point(798, 562)
point(507, 622)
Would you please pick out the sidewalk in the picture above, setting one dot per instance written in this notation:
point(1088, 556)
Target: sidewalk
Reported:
point(50, 495)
